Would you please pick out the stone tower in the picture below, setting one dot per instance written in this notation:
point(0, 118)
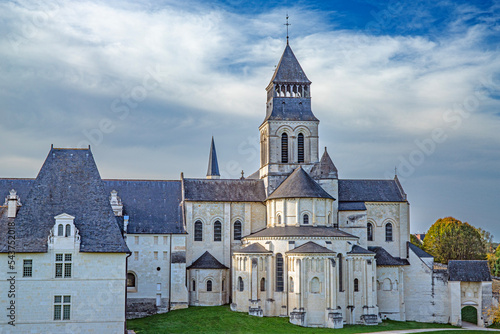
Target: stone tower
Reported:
point(289, 133)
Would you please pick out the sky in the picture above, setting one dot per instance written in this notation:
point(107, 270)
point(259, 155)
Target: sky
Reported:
point(406, 85)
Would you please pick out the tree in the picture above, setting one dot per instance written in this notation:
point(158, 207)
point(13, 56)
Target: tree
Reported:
point(450, 239)
point(416, 241)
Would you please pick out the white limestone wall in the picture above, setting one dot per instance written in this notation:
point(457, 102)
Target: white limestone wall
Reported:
point(380, 214)
point(426, 293)
point(178, 289)
point(390, 290)
point(150, 252)
point(354, 222)
point(97, 290)
point(252, 215)
point(292, 211)
point(331, 186)
point(198, 292)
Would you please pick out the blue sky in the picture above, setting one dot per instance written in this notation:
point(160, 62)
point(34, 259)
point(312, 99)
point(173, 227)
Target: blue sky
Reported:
point(406, 84)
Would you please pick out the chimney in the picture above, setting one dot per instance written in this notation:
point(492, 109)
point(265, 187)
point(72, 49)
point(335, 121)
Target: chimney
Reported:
point(125, 223)
point(12, 202)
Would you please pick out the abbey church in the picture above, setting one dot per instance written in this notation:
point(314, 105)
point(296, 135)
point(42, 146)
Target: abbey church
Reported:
point(290, 240)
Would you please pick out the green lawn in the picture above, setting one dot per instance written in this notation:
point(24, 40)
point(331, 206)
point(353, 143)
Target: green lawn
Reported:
point(220, 319)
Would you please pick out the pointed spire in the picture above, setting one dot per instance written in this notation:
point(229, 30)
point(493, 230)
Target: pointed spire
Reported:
point(325, 168)
point(289, 69)
point(213, 165)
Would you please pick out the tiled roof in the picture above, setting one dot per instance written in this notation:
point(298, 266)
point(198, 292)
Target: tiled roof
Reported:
point(21, 186)
point(301, 231)
point(299, 185)
point(207, 261)
point(418, 251)
point(205, 190)
point(383, 258)
point(352, 206)
point(253, 248)
point(469, 271)
point(324, 169)
point(359, 250)
point(152, 206)
point(369, 191)
point(68, 182)
point(310, 247)
point(289, 69)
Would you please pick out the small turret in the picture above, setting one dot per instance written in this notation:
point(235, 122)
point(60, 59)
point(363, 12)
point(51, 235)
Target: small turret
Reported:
point(213, 165)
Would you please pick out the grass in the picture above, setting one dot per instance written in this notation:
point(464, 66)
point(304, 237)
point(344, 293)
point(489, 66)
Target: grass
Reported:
point(220, 319)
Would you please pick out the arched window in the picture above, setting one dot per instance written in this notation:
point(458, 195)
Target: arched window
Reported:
point(279, 219)
point(263, 284)
point(291, 287)
point(388, 232)
point(237, 230)
point(341, 278)
point(223, 287)
point(198, 231)
point(315, 285)
point(130, 280)
point(209, 285)
point(241, 285)
point(356, 285)
point(194, 285)
point(279, 272)
point(300, 148)
point(305, 219)
point(284, 148)
point(387, 285)
point(68, 230)
point(60, 230)
point(369, 231)
point(217, 231)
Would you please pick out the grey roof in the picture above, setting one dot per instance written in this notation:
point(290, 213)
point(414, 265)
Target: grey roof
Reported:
point(383, 258)
point(213, 165)
point(324, 169)
point(21, 186)
point(301, 231)
point(152, 206)
point(207, 261)
point(310, 247)
point(469, 271)
point(289, 69)
point(418, 251)
point(224, 190)
point(253, 248)
point(352, 206)
point(68, 182)
point(299, 185)
point(370, 191)
point(254, 176)
point(359, 250)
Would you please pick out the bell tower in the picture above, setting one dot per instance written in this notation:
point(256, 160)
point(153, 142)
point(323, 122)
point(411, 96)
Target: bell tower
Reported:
point(289, 133)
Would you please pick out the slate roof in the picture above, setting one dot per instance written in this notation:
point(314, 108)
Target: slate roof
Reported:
point(300, 231)
point(21, 186)
point(359, 250)
point(310, 247)
point(152, 206)
point(299, 185)
point(207, 261)
point(383, 257)
point(289, 69)
point(224, 190)
point(418, 251)
point(370, 191)
point(68, 182)
point(352, 206)
point(290, 109)
point(213, 165)
point(253, 248)
point(469, 271)
point(324, 169)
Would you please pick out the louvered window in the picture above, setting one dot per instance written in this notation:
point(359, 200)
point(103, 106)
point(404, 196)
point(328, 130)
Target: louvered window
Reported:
point(300, 147)
point(198, 231)
point(237, 230)
point(284, 148)
point(217, 231)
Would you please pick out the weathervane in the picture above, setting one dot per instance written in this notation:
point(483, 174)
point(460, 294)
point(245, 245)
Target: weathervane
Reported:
point(287, 24)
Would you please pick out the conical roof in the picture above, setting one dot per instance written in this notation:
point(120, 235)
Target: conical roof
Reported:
point(324, 169)
point(213, 165)
point(299, 185)
point(207, 261)
point(289, 69)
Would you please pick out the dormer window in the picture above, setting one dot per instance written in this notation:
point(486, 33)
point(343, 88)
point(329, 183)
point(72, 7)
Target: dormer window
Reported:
point(68, 230)
point(60, 230)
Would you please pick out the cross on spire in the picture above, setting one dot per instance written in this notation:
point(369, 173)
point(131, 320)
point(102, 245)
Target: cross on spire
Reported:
point(287, 24)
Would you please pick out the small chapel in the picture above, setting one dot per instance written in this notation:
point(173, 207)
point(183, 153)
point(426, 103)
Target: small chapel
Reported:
point(291, 240)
